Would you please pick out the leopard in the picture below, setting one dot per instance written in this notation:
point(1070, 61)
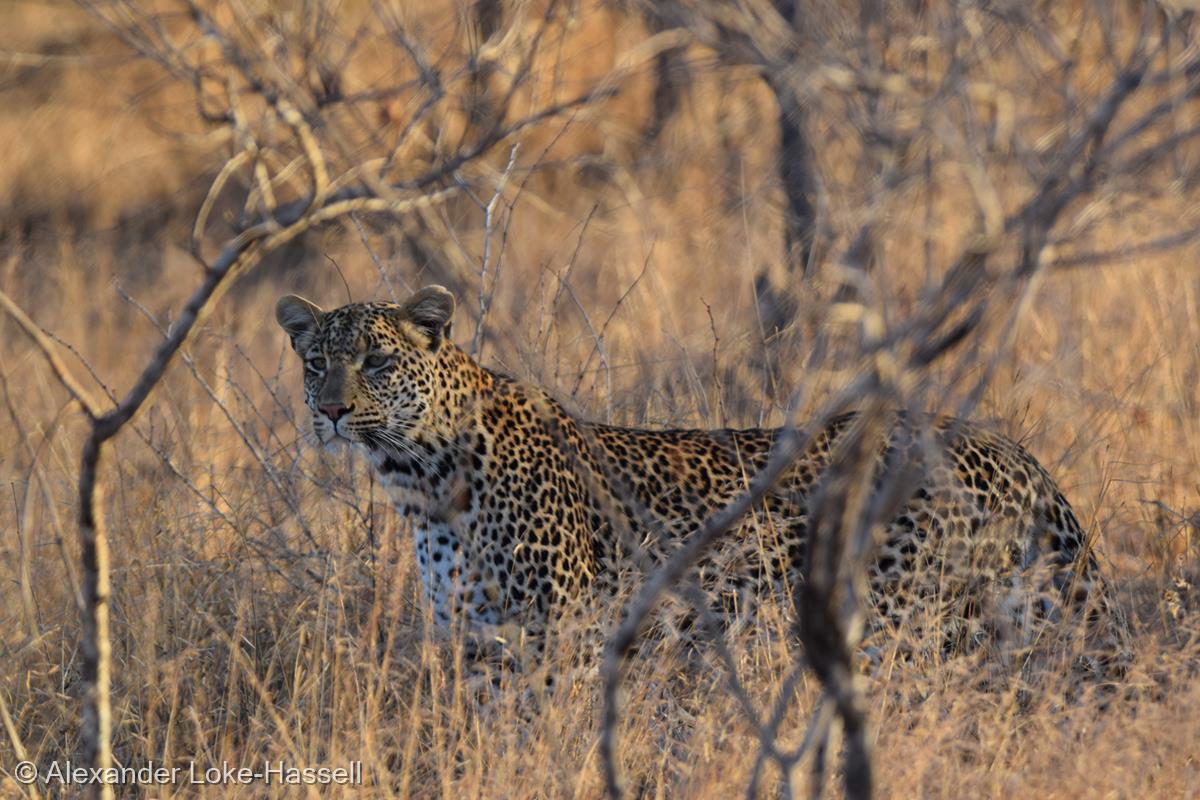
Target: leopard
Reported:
point(522, 510)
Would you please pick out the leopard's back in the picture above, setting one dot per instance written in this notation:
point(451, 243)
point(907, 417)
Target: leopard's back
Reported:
point(977, 513)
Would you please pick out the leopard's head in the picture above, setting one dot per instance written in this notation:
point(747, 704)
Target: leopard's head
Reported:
point(370, 369)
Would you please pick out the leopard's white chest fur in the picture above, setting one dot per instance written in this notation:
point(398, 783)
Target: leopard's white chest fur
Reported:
point(453, 585)
point(440, 563)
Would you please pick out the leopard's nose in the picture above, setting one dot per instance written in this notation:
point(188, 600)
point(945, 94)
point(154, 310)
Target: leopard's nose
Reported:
point(335, 411)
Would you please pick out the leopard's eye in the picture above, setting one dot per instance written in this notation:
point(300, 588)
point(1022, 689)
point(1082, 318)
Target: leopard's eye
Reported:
point(316, 364)
point(376, 360)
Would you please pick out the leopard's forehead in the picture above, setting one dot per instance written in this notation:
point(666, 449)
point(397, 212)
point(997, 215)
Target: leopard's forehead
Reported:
point(360, 327)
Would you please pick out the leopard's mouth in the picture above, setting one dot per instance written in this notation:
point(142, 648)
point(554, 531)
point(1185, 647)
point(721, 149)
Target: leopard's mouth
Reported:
point(333, 433)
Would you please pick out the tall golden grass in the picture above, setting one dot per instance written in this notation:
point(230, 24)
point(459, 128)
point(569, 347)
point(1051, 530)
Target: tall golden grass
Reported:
point(265, 603)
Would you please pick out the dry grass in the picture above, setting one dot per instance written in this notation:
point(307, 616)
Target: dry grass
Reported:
point(265, 604)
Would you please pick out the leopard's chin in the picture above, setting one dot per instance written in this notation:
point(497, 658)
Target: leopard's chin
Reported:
point(329, 436)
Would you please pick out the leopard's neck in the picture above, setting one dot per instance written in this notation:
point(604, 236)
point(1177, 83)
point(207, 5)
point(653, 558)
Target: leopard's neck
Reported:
point(428, 469)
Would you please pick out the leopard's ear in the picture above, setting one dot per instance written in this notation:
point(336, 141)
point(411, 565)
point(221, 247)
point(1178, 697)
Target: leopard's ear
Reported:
point(299, 318)
point(431, 310)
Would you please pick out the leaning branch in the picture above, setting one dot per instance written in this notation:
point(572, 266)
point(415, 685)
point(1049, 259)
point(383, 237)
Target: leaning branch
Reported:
point(77, 391)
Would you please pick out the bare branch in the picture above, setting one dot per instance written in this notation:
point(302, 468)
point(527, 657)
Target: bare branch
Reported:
point(81, 395)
